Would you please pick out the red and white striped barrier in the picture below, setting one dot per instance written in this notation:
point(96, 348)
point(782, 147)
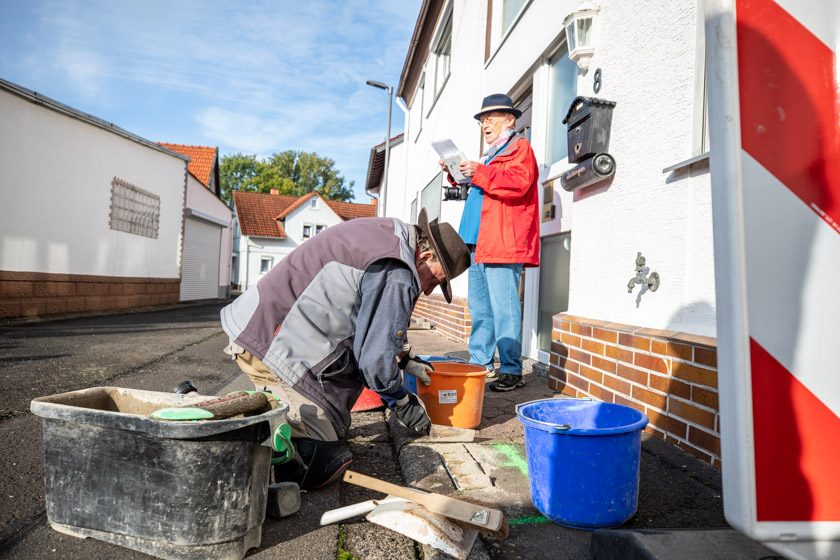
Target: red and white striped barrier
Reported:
point(774, 116)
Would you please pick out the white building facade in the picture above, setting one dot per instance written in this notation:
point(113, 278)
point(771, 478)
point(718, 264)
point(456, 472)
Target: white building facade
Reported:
point(205, 273)
point(654, 350)
point(206, 262)
point(92, 215)
point(267, 227)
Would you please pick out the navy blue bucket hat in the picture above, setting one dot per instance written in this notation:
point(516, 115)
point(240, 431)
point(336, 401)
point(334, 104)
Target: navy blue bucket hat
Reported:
point(498, 102)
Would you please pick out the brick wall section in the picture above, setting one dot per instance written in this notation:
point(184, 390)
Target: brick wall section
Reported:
point(451, 319)
point(37, 294)
point(670, 376)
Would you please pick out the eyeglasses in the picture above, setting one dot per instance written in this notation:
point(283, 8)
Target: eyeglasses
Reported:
point(489, 118)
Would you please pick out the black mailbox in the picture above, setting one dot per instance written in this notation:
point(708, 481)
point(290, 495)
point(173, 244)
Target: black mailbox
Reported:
point(589, 120)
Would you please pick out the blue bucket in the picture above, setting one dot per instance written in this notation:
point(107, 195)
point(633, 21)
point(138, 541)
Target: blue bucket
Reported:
point(583, 460)
point(410, 382)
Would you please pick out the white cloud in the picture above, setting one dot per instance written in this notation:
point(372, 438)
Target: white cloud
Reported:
point(257, 77)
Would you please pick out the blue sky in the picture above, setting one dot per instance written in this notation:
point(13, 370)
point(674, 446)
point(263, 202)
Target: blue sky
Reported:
point(254, 77)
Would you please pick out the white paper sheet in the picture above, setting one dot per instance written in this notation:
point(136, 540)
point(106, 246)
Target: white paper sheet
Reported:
point(452, 156)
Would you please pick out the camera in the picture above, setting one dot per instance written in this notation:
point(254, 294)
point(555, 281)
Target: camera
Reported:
point(458, 192)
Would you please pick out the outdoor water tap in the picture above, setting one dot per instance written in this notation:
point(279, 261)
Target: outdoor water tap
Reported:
point(651, 281)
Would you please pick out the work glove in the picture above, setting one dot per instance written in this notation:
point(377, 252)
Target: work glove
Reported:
point(412, 414)
point(415, 366)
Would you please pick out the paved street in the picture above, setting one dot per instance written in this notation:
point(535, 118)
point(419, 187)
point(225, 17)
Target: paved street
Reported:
point(156, 350)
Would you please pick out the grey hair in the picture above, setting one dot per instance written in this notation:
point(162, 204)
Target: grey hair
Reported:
point(424, 243)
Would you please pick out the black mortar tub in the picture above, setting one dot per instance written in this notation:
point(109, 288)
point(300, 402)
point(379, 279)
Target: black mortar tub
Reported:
point(176, 490)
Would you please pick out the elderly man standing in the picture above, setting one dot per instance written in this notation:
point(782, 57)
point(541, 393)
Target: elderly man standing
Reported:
point(331, 318)
point(500, 224)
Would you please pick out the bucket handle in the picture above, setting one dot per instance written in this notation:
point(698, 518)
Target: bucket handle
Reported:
point(558, 427)
point(282, 444)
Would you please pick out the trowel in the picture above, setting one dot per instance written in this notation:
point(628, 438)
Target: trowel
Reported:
point(412, 520)
point(418, 523)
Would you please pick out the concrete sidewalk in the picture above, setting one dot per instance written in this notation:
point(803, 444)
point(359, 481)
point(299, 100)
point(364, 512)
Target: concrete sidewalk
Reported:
point(678, 495)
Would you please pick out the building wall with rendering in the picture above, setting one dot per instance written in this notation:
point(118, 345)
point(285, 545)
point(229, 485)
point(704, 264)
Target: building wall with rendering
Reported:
point(649, 60)
point(59, 249)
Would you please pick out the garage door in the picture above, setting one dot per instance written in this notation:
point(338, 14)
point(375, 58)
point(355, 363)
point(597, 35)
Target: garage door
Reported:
point(200, 272)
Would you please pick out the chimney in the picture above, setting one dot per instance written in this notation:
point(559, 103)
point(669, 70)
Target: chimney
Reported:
point(275, 192)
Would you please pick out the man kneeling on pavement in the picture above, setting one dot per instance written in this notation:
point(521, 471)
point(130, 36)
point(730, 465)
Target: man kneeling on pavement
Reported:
point(332, 318)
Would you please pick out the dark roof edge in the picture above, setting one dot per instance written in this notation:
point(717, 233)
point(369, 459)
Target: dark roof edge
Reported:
point(412, 47)
point(49, 103)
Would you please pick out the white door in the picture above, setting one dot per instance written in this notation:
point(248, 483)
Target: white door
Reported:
point(200, 270)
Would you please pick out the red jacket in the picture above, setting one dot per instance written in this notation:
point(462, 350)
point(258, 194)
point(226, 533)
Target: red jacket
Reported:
point(509, 231)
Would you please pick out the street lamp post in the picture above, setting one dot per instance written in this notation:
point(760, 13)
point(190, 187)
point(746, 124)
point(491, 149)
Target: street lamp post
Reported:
point(383, 195)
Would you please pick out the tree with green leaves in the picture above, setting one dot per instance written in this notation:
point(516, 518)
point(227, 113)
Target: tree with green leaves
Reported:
point(291, 172)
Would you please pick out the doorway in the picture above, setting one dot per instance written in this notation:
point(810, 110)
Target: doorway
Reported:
point(554, 287)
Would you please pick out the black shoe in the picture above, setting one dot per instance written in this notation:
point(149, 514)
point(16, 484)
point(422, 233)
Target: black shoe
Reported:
point(507, 382)
point(316, 463)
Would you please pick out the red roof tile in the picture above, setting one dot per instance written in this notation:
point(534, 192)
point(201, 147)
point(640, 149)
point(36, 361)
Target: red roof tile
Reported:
point(203, 159)
point(257, 213)
point(260, 215)
point(350, 210)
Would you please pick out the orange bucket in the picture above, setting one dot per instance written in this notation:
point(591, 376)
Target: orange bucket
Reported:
point(456, 394)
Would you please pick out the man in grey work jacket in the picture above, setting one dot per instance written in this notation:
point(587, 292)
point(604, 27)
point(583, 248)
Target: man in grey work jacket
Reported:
point(332, 318)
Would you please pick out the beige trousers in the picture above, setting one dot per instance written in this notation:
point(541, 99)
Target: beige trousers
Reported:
point(306, 418)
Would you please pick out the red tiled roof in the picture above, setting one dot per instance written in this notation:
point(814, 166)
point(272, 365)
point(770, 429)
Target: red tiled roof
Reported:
point(297, 204)
point(260, 214)
point(203, 158)
point(350, 210)
point(257, 213)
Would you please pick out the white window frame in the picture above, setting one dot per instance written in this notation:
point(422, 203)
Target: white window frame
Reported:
point(440, 63)
point(263, 261)
point(307, 231)
point(700, 116)
point(419, 95)
point(498, 36)
point(313, 202)
point(555, 168)
point(701, 99)
point(319, 228)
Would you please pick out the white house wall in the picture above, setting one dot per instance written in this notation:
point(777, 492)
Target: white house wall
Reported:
point(647, 54)
point(305, 214)
point(646, 51)
point(200, 199)
point(396, 199)
point(451, 115)
point(253, 249)
point(56, 186)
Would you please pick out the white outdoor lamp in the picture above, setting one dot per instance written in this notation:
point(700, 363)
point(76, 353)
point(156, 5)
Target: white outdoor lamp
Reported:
point(578, 26)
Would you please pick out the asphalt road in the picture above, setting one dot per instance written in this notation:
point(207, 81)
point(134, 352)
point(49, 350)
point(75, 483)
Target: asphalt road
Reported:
point(158, 349)
point(149, 350)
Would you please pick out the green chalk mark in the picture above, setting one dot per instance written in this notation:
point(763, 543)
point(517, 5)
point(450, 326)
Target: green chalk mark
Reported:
point(532, 520)
point(515, 460)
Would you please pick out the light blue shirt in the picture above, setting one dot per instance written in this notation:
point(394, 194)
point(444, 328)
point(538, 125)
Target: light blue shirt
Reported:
point(471, 218)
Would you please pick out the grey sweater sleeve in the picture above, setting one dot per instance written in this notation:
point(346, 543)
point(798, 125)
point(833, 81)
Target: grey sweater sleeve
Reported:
point(388, 294)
